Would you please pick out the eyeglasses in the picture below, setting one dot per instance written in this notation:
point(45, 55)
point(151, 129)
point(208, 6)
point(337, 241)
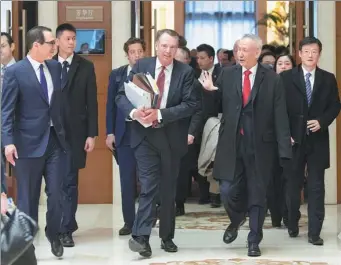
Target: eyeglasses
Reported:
point(52, 42)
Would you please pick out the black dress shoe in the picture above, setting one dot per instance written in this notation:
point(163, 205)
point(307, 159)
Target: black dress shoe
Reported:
point(180, 210)
point(316, 241)
point(141, 245)
point(253, 250)
point(67, 240)
point(231, 232)
point(57, 248)
point(125, 230)
point(293, 232)
point(215, 201)
point(169, 246)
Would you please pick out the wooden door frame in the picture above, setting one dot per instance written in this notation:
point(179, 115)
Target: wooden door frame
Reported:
point(338, 76)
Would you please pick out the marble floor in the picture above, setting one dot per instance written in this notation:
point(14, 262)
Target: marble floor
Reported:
point(97, 242)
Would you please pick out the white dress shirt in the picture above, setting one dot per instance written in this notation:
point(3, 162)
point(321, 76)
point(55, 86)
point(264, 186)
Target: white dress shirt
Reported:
point(201, 77)
point(129, 69)
point(252, 76)
point(68, 59)
point(168, 73)
point(311, 78)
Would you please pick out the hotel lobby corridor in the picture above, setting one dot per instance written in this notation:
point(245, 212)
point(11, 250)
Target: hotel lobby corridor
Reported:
point(98, 243)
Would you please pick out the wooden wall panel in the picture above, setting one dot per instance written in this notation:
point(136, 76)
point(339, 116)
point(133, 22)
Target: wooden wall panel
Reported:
point(261, 10)
point(179, 17)
point(338, 76)
point(96, 180)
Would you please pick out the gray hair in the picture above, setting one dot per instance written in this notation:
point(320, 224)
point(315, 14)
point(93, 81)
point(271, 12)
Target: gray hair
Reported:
point(255, 38)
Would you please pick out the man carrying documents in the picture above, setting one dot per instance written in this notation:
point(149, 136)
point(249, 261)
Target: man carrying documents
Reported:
point(159, 99)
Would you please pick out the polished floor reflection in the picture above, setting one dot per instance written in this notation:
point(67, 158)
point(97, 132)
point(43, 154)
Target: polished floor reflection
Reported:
point(97, 243)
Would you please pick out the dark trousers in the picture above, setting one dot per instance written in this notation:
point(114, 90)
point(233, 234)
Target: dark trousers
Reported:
point(276, 202)
point(70, 199)
point(3, 175)
point(315, 187)
point(247, 192)
point(29, 172)
point(188, 169)
point(157, 171)
point(127, 165)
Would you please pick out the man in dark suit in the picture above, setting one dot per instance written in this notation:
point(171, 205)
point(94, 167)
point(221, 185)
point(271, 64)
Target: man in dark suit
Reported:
point(119, 131)
point(254, 123)
point(211, 107)
point(189, 163)
point(80, 110)
point(33, 130)
point(158, 148)
point(313, 104)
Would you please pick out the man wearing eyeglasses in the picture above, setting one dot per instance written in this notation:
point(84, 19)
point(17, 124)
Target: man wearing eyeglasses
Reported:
point(33, 130)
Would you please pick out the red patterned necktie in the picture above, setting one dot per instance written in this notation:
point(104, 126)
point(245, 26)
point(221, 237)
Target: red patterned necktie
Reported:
point(161, 85)
point(246, 91)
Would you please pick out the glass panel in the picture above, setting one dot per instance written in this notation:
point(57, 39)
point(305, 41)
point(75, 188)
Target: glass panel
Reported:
point(5, 5)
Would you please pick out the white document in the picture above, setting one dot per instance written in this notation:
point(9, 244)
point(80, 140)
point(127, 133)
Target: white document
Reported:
point(139, 98)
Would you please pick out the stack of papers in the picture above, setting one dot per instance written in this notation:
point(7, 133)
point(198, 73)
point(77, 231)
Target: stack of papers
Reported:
point(142, 92)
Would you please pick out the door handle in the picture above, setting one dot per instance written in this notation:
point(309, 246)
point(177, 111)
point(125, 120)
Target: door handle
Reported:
point(154, 27)
point(23, 29)
point(8, 22)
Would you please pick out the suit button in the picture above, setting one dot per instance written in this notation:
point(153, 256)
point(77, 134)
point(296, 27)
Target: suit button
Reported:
point(237, 108)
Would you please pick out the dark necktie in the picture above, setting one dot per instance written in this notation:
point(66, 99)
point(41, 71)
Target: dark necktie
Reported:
point(43, 82)
point(64, 73)
point(308, 87)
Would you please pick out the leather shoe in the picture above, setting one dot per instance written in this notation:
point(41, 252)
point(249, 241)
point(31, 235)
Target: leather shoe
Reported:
point(180, 210)
point(293, 232)
point(169, 246)
point(125, 230)
point(57, 248)
point(231, 232)
point(215, 201)
point(253, 250)
point(141, 245)
point(67, 240)
point(316, 241)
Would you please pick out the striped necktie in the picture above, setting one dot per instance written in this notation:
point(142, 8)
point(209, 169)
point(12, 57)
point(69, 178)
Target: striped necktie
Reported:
point(308, 87)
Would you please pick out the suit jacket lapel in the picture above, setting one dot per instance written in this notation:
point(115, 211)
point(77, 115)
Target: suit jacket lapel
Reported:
point(72, 71)
point(299, 81)
point(33, 78)
point(54, 80)
point(238, 81)
point(173, 82)
point(258, 80)
point(151, 67)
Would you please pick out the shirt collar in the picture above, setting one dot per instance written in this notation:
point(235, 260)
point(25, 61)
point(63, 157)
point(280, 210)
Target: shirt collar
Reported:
point(11, 62)
point(253, 70)
point(306, 71)
point(129, 69)
point(159, 65)
point(68, 59)
point(35, 64)
point(211, 70)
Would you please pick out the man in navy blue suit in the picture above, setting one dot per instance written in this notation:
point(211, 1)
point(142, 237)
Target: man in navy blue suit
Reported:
point(118, 133)
point(33, 130)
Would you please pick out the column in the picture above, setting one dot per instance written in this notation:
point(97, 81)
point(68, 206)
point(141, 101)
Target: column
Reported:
point(326, 32)
point(121, 32)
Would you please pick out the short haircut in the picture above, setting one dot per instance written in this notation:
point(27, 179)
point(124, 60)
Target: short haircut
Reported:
point(310, 40)
point(64, 27)
point(182, 41)
point(255, 38)
point(229, 54)
point(260, 59)
point(36, 34)
point(8, 37)
point(185, 50)
point(282, 55)
point(206, 48)
point(269, 47)
point(170, 32)
point(131, 41)
point(281, 50)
